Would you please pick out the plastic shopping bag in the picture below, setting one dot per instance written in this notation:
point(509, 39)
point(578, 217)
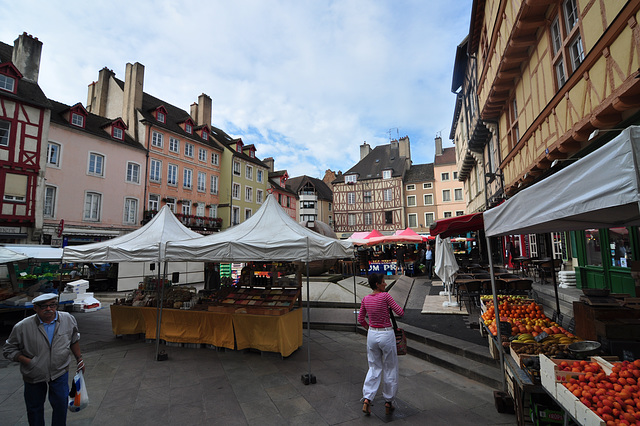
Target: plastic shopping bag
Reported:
point(78, 397)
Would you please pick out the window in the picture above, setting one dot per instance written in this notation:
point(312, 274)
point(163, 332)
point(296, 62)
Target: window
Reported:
point(428, 199)
point(202, 154)
point(366, 197)
point(154, 202)
point(413, 220)
point(351, 219)
point(259, 174)
point(447, 215)
point(457, 194)
point(186, 207)
point(566, 42)
point(236, 216)
point(247, 214)
point(513, 133)
point(446, 195)
point(236, 191)
point(236, 168)
point(96, 164)
point(329, 206)
point(386, 174)
point(288, 201)
point(155, 168)
point(7, 83)
point(157, 139)
point(205, 135)
point(388, 194)
point(388, 218)
point(50, 201)
point(248, 194)
point(174, 145)
point(118, 133)
point(188, 128)
point(172, 175)
point(187, 177)
point(214, 184)
point(350, 178)
point(133, 172)
point(53, 154)
point(5, 128)
point(427, 185)
point(592, 243)
point(533, 246)
point(161, 117)
point(213, 210)
point(455, 175)
point(428, 219)
point(202, 181)
point(171, 203)
point(351, 198)
point(411, 201)
point(215, 158)
point(77, 119)
point(92, 202)
point(188, 149)
point(459, 213)
point(368, 218)
point(248, 172)
point(130, 211)
point(259, 196)
point(411, 187)
point(200, 210)
point(444, 176)
point(308, 205)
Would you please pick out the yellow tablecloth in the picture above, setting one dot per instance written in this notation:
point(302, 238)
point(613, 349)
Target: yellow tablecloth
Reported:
point(282, 333)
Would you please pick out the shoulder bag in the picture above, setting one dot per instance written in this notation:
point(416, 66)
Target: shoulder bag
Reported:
point(401, 338)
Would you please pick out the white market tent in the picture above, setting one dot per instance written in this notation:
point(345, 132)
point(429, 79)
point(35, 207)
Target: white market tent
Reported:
point(269, 235)
point(36, 252)
point(601, 190)
point(145, 244)
point(10, 256)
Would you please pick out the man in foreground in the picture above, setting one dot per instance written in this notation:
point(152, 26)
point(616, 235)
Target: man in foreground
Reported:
point(43, 344)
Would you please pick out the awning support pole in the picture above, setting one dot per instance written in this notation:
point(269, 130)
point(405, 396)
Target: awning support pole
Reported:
point(497, 315)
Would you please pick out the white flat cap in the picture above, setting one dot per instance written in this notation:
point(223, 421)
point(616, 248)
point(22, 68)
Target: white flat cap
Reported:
point(44, 297)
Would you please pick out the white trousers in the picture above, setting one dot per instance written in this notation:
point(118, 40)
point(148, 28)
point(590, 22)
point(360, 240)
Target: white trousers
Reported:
point(383, 364)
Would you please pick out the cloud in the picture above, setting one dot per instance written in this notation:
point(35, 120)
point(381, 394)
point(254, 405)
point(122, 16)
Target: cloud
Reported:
point(305, 81)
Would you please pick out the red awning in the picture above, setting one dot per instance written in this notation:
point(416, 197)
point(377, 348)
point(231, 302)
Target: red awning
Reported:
point(457, 225)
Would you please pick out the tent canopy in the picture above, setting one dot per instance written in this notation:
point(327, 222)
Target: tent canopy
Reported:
point(38, 253)
point(10, 256)
point(601, 190)
point(269, 235)
point(142, 245)
point(457, 225)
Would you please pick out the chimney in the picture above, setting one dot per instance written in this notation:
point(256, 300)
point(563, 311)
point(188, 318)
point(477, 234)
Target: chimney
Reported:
point(270, 162)
point(438, 145)
point(204, 110)
point(394, 149)
point(329, 176)
point(193, 112)
point(132, 96)
point(404, 147)
point(27, 51)
point(99, 93)
point(365, 149)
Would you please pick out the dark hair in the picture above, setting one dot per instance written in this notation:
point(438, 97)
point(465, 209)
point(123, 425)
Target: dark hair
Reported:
point(374, 280)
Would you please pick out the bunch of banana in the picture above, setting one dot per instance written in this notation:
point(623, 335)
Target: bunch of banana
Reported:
point(525, 338)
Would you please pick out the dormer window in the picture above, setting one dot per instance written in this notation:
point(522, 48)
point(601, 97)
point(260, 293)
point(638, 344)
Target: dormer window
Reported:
point(117, 133)
point(7, 83)
point(350, 179)
point(77, 120)
point(252, 153)
point(188, 128)
point(205, 135)
point(161, 114)
point(386, 174)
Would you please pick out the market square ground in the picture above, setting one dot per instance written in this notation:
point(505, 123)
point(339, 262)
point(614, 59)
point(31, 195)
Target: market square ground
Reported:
point(203, 386)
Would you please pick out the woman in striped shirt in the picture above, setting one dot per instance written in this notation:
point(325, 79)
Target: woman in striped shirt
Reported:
point(381, 344)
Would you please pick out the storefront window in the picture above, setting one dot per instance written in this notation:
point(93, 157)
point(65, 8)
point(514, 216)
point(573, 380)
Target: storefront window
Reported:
point(592, 243)
point(619, 247)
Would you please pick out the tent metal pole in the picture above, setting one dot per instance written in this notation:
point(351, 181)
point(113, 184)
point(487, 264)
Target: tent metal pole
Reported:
point(308, 378)
point(159, 311)
point(355, 298)
point(497, 315)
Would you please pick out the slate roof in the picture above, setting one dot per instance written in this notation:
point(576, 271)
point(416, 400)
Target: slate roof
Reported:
point(93, 125)
point(276, 184)
point(322, 189)
point(448, 157)
point(28, 91)
point(419, 173)
point(380, 158)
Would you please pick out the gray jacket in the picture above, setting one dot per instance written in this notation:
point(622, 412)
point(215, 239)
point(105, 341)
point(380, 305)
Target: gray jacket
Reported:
point(48, 361)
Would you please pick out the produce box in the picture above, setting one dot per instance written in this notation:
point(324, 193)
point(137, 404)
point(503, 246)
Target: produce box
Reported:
point(585, 416)
point(519, 358)
point(567, 400)
point(618, 328)
point(549, 368)
point(544, 410)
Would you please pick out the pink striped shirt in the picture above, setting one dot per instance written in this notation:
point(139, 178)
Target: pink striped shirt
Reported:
point(376, 307)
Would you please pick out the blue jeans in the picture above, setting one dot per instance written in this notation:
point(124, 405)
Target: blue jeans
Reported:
point(35, 394)
point(429, 267)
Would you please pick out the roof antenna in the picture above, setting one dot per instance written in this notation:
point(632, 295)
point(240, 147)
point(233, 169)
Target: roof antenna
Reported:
point(397, 129)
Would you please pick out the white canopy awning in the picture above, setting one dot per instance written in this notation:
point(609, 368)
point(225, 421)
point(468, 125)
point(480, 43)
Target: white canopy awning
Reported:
point(10, 256)
point(142, 245)
point(38, 253)
point(269, 235)
point(601, 190)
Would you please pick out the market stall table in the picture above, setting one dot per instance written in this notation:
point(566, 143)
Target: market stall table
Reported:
point(278, 333)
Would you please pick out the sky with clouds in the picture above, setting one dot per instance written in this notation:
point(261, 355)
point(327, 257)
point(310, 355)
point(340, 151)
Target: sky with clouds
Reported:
point(306, 81)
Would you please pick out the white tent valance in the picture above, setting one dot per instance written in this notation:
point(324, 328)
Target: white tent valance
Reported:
point(269, 235)
point(601, 190)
